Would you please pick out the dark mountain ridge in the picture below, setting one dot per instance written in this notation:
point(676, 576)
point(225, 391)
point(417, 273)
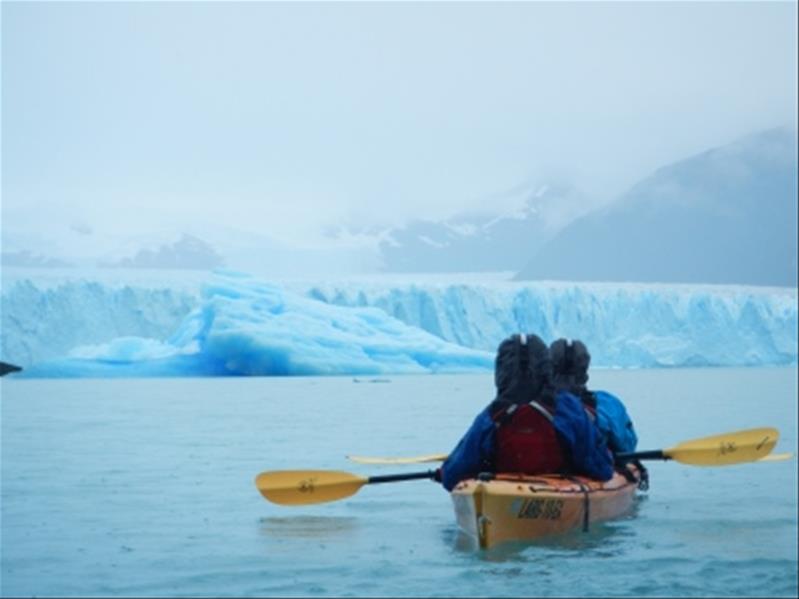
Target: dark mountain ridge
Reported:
point(725, 216)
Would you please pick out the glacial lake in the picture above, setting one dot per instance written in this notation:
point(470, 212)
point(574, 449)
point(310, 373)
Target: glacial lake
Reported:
point(145, 487)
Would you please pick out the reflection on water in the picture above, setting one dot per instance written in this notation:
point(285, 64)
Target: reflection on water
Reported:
point(308, 527)
point(460, 541)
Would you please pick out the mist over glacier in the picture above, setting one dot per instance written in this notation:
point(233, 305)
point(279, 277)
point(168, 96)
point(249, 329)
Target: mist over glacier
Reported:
point(229, 323)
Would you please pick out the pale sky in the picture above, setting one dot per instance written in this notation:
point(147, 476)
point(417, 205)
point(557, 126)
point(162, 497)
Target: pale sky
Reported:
point(286, 118)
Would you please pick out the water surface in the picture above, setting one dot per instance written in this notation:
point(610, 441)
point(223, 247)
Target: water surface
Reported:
point(144, 487)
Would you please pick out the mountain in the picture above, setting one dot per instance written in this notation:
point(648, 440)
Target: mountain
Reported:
point(482, 241)
point(28, 259)
point(188, 252)
point(728, 215)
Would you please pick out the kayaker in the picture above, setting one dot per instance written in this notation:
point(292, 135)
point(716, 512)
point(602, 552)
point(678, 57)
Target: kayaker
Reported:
point(570, 361)
point(530, 427)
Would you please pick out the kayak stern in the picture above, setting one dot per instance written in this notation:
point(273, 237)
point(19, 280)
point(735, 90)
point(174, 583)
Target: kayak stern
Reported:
point(512, 507)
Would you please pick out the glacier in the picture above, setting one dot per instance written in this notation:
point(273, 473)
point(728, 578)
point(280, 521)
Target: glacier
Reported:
point(227, 323)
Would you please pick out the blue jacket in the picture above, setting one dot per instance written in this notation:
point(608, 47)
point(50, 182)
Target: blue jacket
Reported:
point(585, 447)
point(614, 422)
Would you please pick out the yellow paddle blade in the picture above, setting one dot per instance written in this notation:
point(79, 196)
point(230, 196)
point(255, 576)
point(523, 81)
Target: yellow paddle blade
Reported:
point(776, 457)
point(728, 448)
point(302, 487)
point(433, 457)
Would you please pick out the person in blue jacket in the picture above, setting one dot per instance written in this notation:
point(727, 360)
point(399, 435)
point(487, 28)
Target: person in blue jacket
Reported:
point(570, 361)
point(530, 427)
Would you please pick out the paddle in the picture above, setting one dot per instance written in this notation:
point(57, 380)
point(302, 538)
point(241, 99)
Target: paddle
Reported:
point(751, 445)
point(725, 449)
point(302, 487)
point(434, 457)
point(776, 457)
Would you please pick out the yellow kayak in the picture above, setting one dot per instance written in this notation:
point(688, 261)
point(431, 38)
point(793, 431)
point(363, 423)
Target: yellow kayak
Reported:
point(513, 507)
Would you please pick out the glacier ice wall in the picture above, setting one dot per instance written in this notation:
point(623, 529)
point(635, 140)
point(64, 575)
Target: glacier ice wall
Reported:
point(44, 321)
point(242, 326)
point(234, 324)
point(623, 325)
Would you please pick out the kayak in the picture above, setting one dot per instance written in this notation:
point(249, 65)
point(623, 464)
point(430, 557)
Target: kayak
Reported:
point(514, 507)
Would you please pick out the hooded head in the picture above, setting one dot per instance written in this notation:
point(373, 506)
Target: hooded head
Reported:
point(570, 361)
point(522, 370)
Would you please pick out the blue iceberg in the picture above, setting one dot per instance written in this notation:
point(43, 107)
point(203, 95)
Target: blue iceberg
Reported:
point(247, 327)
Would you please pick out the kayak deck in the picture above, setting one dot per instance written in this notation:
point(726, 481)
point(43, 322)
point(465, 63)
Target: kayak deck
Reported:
point(513, 507)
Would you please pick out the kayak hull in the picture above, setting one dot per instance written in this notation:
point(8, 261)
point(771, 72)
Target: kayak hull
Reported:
point(512, 507)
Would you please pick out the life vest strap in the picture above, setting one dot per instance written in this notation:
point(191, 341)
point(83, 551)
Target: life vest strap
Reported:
point(503, 415)
point(546, 413)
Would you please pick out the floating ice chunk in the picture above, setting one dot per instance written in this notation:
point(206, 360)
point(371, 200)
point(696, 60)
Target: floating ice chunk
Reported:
point(247, 327)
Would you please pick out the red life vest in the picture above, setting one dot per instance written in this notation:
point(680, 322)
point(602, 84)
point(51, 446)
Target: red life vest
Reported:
point(527, 441)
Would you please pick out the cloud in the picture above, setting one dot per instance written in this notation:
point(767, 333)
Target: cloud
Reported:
point(305, 116)
point(81, 228)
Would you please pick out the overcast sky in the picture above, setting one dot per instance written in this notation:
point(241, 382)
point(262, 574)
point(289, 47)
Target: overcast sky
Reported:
point(285, 118)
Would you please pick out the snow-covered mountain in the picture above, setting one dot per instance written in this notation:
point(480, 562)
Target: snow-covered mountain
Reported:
point(28, 259)
point(188, 252)
point(187, 245)
point(486, 240)
point(728, 215)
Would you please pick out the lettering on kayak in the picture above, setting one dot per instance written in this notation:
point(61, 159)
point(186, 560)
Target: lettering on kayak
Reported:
point(307, 485)
point(728, 447)
point(545, 509)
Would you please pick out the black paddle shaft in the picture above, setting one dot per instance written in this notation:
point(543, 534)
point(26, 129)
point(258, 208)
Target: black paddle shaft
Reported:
point(390, 478)
point(655, 454)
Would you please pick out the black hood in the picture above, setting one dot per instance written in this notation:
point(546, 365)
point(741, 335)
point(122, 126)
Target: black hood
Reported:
point(570, 361)
point(523, 369)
